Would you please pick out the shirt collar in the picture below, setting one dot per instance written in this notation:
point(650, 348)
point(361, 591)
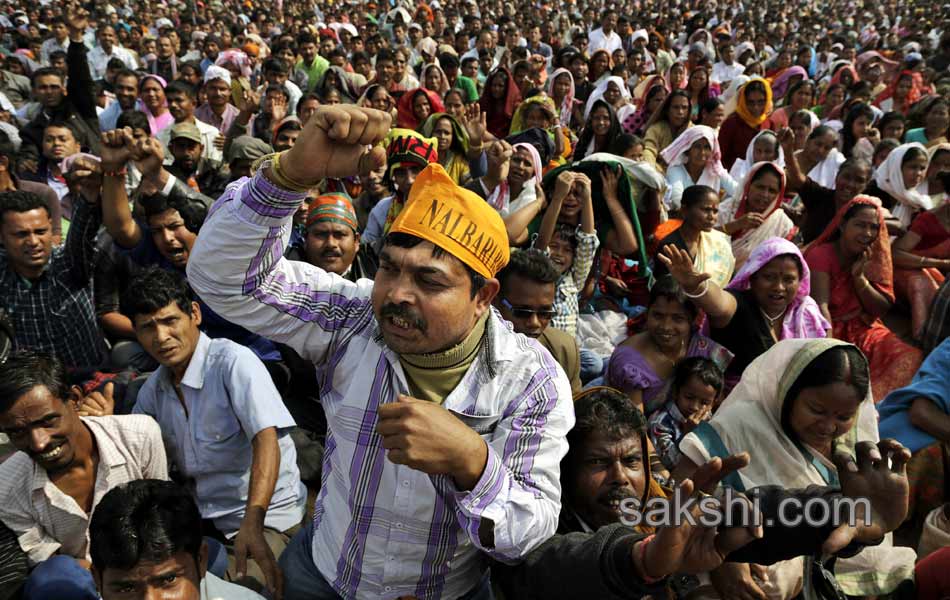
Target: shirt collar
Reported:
point(195, 373)
point(109, 455)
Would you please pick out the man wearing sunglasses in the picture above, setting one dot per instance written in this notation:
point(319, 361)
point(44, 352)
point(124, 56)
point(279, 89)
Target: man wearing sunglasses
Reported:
point(526, 299)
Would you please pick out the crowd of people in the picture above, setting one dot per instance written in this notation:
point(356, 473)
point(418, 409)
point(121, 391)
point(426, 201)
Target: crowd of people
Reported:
point(316, 300)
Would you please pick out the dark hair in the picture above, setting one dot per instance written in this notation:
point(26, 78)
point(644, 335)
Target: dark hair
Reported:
point(134, 119)
point(754, 86)
point(385, 54)
point(695, 194)
point(144, 520)
point(663, 114)
point(705, 369)
point(277, 88)
point(448, 61)
point(587, 135)
point(128, 73)
point(819, 131)
point(799, 85)
point(766, 169)
point(531, 264)
point(833, 87)
point(193, 211)
point(913, 153)
point(407, 240)
point(276, 65)
point(7, 149)
point(890, 117)
point(805, 115)
point(20, 202)
point(45, 72)
point(887, 144)
point(180, 87)
point(114, 64)
point(152, 290)
point(841, 364)
point(605, 411)
point(304, 38)
point(669, 288)
point(709, 105)
point(847, 135)
point(26, 369)
point(624, 142)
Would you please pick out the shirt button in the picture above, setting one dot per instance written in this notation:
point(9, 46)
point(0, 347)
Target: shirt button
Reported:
point(398, 525)
point(405, 483)
point(388, 588)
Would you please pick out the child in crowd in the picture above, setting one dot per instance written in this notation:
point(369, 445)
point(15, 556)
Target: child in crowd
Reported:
point(695, 389)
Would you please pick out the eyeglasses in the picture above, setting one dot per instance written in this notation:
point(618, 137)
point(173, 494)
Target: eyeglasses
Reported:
point(527, 313)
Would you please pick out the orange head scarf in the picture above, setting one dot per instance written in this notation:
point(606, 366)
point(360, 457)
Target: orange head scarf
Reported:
point(742, 108)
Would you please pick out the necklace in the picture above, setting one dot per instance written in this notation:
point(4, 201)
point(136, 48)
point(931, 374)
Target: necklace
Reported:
point(771, 320)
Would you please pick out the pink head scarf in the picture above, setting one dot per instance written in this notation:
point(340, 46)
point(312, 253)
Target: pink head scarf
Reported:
point(567, 104)
point(803, 319)
point(675, 153)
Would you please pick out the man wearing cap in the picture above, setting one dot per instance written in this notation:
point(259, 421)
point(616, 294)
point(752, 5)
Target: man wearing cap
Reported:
point(181, 104)
point(332, 241)
point(407, 154)
point(186, 145)
point(241, 152)
point(445, 428)
point(218, 110)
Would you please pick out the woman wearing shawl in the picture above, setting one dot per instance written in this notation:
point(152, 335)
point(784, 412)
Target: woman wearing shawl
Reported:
point(752, 108)
point(800, 96)
point(831, 98)
point(757, 215)
point(676, 76)
point(666, 124)
point(766, 302)
point(539, 112)
point(614, 92)
point(152, 102)
point(600, 130)
point(901, 94)
point(434, 78)
point(336, 78)
point(641, 365)
point(499, 101)
point(709, 249)
point(820, 157)
point(788, 79)
point(918, 416)
point(516, 196)
point(561, 90)
point(896, 181)
point(694, 159)
point(236, 62)
point(415, 106)
point(650, 95)
point(764, 147)
point(795, 405)
point(852, 281)
point(456, 153)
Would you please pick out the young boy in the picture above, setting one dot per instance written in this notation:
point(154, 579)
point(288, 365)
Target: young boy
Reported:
point(697, 383)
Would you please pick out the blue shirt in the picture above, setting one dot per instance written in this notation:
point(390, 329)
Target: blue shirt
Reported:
point(229, 398)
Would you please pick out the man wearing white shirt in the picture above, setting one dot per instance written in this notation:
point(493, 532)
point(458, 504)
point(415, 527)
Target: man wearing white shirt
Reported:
point(59, 41)
point(106, 50)
point(727, 69)
point(604, 37)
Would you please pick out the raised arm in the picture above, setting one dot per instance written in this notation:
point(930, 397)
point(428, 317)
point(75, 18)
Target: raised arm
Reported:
point(236, 264)
point(79, 84)
point(622, 239)
point(116, 214)
point(719, 305)
point(795, 179)
point(549, 222)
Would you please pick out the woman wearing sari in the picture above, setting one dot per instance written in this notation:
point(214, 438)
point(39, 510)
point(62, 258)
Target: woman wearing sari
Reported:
point(561, 90)
point(642, 365)
point(931, 120)
point(784, 82)
point(766, 302)
point(540, 112)
point(614, 92)
point(676, 76)
point(456, 153)
point(415, 106)
point(601, 129)
point(650, 95)
point(709, 249)
point(434, 78)
point(918, 416)
point(832, 97)
point(757, 214)
point(336, 78)
point(600, 68)
point(938, 166)
point(752, 107)
point(852, 281)
point(901, 94)
point(800, 96)
point(152, 102)
point(820, 158)
point(694, 159)
point(764, 147)
point(499, 101)
point(700, 89)
point(795, 405)
point(516, 196)
point(921, 257)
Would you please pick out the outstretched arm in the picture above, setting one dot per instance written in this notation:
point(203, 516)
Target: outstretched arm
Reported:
point(237, 265)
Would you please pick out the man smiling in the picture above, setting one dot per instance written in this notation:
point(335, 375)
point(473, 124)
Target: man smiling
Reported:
point(445, 428)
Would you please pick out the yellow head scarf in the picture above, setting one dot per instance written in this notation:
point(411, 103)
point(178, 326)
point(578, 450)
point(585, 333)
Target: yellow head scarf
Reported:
point(742, 108)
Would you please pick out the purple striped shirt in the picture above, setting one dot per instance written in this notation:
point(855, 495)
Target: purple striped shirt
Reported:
point(383, 530)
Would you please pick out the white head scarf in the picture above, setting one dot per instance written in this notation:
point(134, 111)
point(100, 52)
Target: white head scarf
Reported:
point(675, 153)
point(890, 178)
point(601, 89)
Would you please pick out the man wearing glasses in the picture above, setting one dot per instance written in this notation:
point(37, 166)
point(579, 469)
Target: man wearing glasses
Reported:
point(526, 299)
